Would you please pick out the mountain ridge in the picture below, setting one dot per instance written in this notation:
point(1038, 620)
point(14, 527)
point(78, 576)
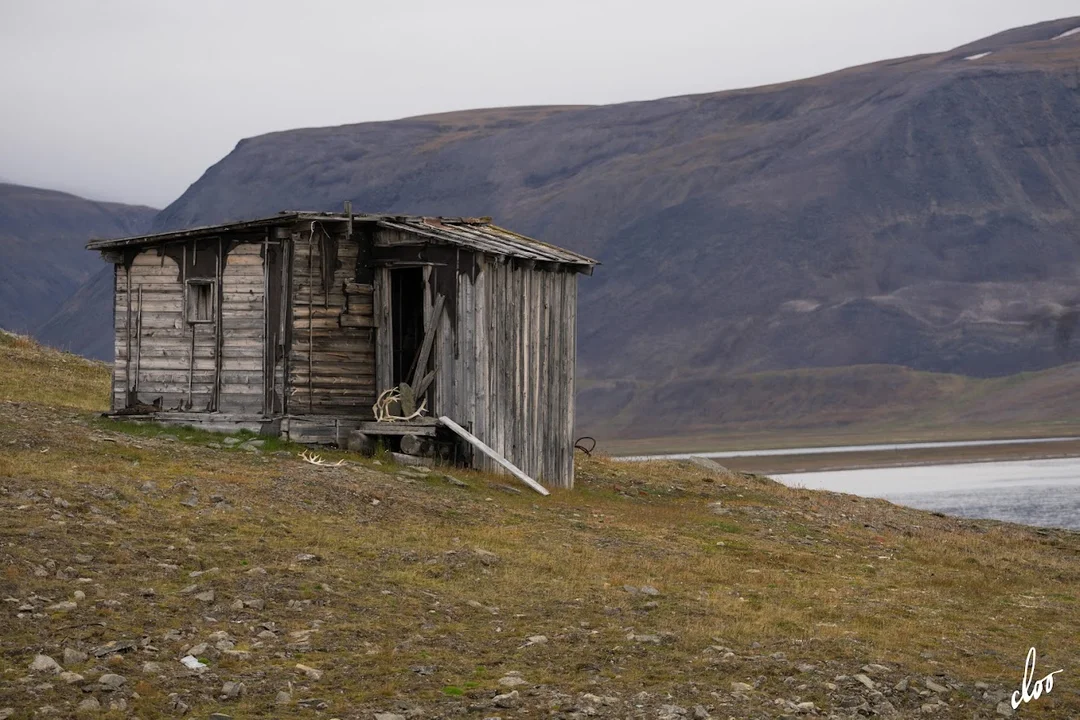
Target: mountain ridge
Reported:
point(42, 234)
point(919, 211)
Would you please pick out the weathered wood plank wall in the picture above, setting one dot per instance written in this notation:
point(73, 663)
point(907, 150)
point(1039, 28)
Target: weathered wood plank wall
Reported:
point(331, 367)
point(505, 365)
point(244, 337)
point(157, 353)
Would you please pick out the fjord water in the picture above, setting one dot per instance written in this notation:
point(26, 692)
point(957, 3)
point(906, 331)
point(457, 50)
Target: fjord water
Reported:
point(1033, 492)
point(839, 449)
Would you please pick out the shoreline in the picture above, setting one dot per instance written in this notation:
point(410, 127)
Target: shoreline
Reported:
point(817, 461)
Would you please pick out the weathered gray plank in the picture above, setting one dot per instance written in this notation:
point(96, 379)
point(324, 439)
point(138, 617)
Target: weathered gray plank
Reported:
point(482, 447)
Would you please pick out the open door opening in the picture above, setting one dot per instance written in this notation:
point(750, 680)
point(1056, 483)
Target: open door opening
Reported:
point(407, 313)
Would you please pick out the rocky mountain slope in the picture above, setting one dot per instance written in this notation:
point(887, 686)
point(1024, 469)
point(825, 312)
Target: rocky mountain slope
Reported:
point(42, 234)
point(158, 572)
point(917, 212)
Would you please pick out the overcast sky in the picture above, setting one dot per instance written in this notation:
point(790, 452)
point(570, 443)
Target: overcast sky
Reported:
point(132, 100)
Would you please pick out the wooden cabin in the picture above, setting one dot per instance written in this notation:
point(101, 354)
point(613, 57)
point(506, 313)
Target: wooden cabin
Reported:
point(297, 324)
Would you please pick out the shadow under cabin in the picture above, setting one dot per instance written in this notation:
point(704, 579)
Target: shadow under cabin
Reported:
point(353, 329)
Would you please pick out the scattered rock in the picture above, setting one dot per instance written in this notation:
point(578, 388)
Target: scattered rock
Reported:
point(935, 687)
point(486, 557)
point(112, 680)
point(901, 686)
point(535, 640)
point(88, 705)
point(312, 674)
point(710, 465)
point(455, 482)
point(206, 597)
point(313, 703)
point(74, 657)
point(741, 687)
point(65, 606)
point(865, 681)
point(198, 650)
point(152, 668)
point(220, 716)
point(1004, 709)
point(116, 646)
point(193, 663)
point(649, 590)
point(71, 677)
point(507, 700)
point(45, 664)
point(231, 690)
point(512, 680)
point(389, 716)
point(307, 557)
point(282, 698)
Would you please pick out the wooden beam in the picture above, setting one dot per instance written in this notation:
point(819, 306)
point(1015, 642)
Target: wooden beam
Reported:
point(479, 445)
point(397, 428)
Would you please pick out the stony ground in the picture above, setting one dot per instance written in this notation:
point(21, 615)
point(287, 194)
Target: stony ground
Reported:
point(163, 572)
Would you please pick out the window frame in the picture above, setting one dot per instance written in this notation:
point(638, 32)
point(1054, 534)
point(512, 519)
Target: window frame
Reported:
point(200, 283)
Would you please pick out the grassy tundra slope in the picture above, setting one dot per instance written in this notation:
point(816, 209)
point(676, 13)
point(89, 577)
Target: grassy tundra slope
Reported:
point(652, 590)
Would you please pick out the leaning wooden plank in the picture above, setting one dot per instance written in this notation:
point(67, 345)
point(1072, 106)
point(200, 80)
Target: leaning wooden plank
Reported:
point(420, 364)
point(479, 445)
point(425, 382)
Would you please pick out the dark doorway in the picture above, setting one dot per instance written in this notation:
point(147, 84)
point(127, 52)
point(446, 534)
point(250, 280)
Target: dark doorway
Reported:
point(407, 313)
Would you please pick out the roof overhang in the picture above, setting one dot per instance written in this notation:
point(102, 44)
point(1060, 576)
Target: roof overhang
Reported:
point(477, 234)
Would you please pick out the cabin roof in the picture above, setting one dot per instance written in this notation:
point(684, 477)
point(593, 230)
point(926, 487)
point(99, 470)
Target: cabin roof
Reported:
point(474, 233)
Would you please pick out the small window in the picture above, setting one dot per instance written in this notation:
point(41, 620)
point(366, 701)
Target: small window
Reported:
point(199, 304)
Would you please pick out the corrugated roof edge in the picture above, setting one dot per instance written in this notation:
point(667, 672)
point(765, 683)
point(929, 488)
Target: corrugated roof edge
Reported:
point(564, 255)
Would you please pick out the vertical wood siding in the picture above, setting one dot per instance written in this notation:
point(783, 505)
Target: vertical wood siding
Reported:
point(505, 366)
point(331, 368)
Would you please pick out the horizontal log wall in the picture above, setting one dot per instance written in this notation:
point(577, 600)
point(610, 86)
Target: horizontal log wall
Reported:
point(331, 363)
point(154, 352)
point(243, 342)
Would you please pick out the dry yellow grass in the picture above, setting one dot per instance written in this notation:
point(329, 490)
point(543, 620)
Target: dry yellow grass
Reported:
point(399, 583)
point(36, 374)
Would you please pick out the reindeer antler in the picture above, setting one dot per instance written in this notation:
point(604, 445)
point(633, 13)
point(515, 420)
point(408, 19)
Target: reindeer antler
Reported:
point(381, 408)
point(313, 459)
